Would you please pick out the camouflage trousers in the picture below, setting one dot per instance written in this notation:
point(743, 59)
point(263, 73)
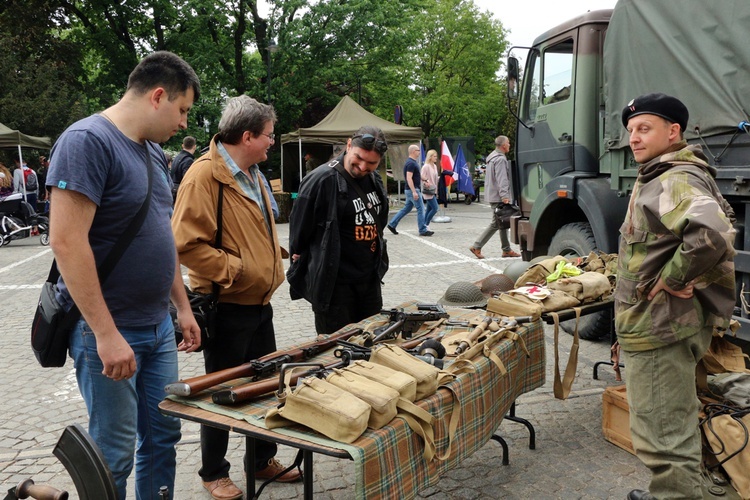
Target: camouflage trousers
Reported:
point(664, 414)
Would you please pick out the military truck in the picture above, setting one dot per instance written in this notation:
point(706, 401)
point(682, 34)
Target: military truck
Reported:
point(573, 169)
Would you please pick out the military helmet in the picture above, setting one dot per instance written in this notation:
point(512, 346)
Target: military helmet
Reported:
point(495, 283)
point(463, 294)
point(516, 268)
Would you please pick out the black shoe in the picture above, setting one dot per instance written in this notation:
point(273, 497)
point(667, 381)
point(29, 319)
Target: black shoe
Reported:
point(392, 229)
point(640, 495)
point(427, 233)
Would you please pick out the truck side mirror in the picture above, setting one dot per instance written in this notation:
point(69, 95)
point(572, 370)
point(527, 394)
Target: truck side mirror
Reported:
point(512, 78)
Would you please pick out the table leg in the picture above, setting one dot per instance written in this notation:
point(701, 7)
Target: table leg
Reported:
point(513, 418)
point(250, 466)
point(502, 442)
point(307, 474)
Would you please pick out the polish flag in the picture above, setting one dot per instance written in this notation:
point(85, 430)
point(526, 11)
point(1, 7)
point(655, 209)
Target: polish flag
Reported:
point(446, 162)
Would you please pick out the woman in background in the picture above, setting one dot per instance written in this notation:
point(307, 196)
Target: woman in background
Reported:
point(429, 175)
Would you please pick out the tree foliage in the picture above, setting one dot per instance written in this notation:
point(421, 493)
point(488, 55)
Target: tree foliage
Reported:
point(438, 59)
point(40, 93)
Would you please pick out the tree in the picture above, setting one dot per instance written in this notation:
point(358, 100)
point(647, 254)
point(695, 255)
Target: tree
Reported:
point(453, 71)
point(41, 93)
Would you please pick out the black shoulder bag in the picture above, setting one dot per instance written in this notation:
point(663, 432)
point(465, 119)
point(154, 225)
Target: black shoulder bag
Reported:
point(383, 242)
point(203, 304)
point(50, 330)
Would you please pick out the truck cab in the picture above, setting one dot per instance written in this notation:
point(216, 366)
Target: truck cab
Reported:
point(573, 170)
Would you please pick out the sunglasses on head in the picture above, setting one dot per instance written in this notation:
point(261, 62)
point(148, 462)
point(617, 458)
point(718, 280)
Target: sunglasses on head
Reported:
point(370, 142)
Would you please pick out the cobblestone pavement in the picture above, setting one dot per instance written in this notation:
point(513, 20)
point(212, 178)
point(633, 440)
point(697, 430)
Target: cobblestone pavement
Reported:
point(571, 459)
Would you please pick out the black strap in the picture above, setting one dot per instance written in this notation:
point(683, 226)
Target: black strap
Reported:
point(350, 180)
point(217, 243)
point(122, 243)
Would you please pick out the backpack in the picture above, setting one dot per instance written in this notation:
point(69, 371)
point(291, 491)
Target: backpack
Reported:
point(29, 177)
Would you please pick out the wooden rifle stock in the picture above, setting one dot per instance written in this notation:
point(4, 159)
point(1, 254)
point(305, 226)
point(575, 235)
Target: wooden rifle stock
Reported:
point(266, 365)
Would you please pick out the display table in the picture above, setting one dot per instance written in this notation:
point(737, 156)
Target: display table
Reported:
point(388, 461)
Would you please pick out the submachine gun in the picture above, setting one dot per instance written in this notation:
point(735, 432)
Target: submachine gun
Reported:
point(406, 322)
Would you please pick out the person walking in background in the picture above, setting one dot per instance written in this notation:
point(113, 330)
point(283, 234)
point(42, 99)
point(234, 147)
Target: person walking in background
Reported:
point(497, 191)
point(42, 177)
point(675, 289)
point(429, 185)
point(247, 265)
point(336, 235)
point(413, 194)
point(181, 163)
point(26, 181)
point(124, 346)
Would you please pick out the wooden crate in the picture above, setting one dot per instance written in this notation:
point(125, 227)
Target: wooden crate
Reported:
point(616, 417)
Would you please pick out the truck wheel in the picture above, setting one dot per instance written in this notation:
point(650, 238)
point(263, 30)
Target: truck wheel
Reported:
point(577, 240)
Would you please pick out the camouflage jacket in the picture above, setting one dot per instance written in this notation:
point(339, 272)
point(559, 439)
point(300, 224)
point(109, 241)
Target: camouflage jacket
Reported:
point(678, 227)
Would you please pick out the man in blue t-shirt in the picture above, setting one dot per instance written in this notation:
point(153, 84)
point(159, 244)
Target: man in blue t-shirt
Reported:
point(124, 345)
point(413, 194)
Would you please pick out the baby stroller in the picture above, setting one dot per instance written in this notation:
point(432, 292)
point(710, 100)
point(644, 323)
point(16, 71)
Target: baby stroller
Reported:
point(18, 218)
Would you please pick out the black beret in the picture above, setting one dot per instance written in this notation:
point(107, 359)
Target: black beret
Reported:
point(668, 107)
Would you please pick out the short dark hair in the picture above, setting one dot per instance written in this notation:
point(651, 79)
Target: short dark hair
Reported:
point(164, 69)
point(370, 138)
point(243, 113)
point(188, 142)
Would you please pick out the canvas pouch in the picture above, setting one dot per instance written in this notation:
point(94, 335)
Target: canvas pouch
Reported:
point(382, 399)
point(323, 407)
point(727, 437)
point(507, 304)
point(587, 287)
point(405, 384)
point(396, 358)
point(386, 402)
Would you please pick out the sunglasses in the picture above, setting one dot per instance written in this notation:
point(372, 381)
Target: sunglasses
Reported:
point(370, 142)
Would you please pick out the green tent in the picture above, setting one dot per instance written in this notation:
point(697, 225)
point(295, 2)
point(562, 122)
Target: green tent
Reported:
point(334, 130)
point(10, 138)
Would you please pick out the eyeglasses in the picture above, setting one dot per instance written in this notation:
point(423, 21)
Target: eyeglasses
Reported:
point(370, 142)
point(270, 136)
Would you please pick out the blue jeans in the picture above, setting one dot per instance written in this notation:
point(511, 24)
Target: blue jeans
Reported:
point(123, 415)
point(411, 202)
point(432, 208)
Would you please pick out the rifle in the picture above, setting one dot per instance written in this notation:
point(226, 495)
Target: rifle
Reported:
point(407, 322)
point(347, 353)
point(258, 368)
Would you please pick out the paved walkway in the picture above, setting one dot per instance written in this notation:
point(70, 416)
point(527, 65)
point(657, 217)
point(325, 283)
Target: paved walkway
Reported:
point(571, 459)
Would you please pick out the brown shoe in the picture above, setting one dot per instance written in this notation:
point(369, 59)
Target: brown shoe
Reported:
point(275, 467)
point(223, 489)
point(477, 252)
point(511, 253)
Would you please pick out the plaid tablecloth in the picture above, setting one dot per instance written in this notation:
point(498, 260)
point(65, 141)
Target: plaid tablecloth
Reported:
point(388, 461)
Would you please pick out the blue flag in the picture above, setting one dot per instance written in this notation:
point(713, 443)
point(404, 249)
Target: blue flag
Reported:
point(464, 176)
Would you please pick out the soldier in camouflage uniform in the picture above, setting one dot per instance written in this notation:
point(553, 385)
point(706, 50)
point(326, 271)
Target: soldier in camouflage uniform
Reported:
point(675, 287)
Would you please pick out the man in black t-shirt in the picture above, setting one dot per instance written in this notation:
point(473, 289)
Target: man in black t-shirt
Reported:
point(336, 235)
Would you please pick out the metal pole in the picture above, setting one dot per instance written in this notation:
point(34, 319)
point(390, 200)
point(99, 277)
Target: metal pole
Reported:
point(268, 79)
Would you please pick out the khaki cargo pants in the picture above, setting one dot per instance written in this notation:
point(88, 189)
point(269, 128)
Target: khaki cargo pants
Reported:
point(664, 415)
